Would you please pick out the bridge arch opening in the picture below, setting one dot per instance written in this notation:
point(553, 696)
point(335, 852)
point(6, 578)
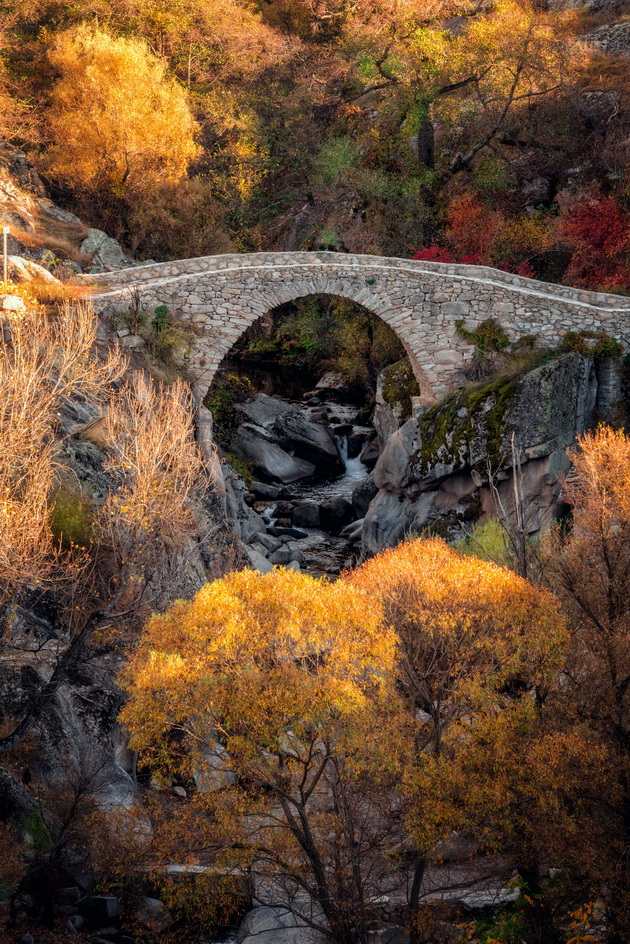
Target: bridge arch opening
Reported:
point(319, 331)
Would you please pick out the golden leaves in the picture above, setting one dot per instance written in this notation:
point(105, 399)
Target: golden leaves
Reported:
point(118, 121)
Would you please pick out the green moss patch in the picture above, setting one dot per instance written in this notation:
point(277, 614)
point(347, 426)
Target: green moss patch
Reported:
point(399, 386)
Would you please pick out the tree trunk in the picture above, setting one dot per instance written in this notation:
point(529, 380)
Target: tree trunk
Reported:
point(536, 909)
point(426, 142)
point(414, 900)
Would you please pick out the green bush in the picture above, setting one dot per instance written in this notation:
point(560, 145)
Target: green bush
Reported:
point(71, 518)
point(604, 345)
point(222, 398)
point(399, 386)
point(489, 336)
point(161, 318)
point(486, 541)
point(241, 467)
point(335, 159)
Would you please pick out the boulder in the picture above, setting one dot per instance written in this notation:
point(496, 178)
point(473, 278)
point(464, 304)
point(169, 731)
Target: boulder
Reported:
point(264, 410)
point(612, 38)
point(362, 495)
point(284, 509)
point(385, 423)
point(335, 513)
point(287, 533)
point(281, 556)
point(356, 442)
point(435, 469)
point(153, 915)
point(391, 470)
point(265, 491)
point(352, 531)
point(215, 771)
point(268, 541)
point(25, 270)
point(12, 303)
point(107, 254)
point(101, 909)
point(256, 446)
point(391, 517)
point(258, 561)
point(295, 550)
point(306, 515)
point(277, 925)
point(369, 456)
point(247, 524)
point(332, 383)
point(311, 441)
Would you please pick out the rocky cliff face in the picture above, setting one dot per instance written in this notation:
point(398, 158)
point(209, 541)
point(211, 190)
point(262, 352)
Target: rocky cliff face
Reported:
point(45, 233)
point(434, 470)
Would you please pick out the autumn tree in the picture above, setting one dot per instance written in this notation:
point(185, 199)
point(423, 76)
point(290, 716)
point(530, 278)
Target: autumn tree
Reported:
point(478, 648)
point(590, 570)
point(597, 230)
point(481, 78)
point(120, 124)
point(313, 723)
point(271, 697)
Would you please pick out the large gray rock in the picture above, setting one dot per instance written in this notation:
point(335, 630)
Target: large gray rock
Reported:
point(258, 560)
point(256, 446)
point(264, 410)
point(244, 520)
point(306, 515)
point(311, 441)
point(544, 409)
point(215, 771)
point(612, 39)
point(277, 925)
point(107, 254)
point(435, 470)
point(391, 470)
point(363, 494)
point(391, 518)
point(335, 513)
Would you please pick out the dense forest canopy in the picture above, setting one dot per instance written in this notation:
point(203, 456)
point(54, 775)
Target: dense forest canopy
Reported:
point(486, 132)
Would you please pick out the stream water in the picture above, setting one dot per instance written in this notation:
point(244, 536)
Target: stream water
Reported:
point(322, 552)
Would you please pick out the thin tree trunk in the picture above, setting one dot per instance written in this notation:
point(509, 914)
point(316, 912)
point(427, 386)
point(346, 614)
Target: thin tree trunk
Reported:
point(536, 909)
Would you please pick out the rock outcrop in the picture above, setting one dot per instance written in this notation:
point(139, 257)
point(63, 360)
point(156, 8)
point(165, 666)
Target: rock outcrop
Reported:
point(256, 446)
point(434, 471)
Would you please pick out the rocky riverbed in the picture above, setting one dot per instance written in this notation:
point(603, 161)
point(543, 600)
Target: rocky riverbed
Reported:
point(311, 464)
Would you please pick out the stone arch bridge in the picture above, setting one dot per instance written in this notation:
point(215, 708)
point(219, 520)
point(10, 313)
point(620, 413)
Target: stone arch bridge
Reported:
point(221, 296)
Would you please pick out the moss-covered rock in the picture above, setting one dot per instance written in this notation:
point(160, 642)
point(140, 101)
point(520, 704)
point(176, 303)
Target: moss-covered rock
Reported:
point(544, 409)
point(399, 385)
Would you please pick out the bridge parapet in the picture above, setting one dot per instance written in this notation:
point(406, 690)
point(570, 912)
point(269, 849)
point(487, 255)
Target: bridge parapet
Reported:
point(221, 296)
point(276, 260)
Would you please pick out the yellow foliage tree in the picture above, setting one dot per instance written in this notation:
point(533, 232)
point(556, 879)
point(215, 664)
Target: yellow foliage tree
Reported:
point(320, 727)
point(478, 649)
point(590, 570)
point(279, 689)
point(119, 123)
point(476, 78)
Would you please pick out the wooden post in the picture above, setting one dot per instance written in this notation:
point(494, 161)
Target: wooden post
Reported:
point(5, 261)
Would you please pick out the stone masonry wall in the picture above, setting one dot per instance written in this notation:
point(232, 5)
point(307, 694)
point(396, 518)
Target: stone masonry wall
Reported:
point(219, 297)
